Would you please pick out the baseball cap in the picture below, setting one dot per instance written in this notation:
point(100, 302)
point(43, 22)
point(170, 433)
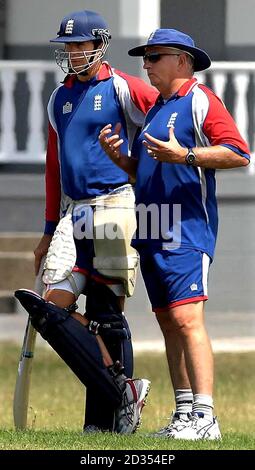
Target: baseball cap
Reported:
point(81, 26)
point(177, 39)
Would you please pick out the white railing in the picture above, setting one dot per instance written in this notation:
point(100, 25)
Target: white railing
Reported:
point(241, 73)
point(35, 73)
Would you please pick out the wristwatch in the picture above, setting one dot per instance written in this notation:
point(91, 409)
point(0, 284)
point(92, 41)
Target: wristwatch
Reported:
point(190, 157)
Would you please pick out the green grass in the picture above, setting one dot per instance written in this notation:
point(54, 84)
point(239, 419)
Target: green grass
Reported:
point(56, 410)
point(73, 440)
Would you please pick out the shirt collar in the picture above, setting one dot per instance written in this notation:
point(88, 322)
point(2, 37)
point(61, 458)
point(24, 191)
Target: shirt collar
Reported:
point(184, 90)
point(105, 71)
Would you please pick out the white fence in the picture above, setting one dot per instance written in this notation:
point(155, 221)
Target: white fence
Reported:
point(35, 75)
point(241, 75)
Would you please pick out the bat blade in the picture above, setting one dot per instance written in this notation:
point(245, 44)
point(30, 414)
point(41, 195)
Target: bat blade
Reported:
point(22, 386)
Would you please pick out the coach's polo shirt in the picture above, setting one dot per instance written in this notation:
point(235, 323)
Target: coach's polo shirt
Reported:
point(199, 119)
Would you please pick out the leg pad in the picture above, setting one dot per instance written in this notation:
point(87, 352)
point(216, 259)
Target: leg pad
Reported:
point(73, 343)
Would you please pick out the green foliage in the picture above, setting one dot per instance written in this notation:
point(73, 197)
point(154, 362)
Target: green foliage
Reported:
point(56, 410)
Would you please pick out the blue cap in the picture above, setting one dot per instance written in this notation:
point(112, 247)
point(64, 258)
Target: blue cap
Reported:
point(179, 40)
point(81, 26)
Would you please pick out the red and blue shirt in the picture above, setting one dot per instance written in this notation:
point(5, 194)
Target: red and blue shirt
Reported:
point(199, 119)
point(76, 165)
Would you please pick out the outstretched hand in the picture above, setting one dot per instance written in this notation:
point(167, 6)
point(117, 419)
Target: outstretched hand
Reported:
point(170, 151)
point(111, 143)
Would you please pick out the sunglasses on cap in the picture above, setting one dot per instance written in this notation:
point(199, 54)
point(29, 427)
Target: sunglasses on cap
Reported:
point(155, 57)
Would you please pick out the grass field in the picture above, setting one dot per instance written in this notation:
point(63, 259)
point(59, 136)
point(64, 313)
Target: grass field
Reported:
point(57, 405)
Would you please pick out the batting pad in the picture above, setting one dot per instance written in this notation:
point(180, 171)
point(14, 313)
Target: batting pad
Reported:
point(114, 227)
point(61, 255)
point(73, 343)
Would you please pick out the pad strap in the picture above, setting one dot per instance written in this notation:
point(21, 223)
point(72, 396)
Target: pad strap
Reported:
point(108, 329)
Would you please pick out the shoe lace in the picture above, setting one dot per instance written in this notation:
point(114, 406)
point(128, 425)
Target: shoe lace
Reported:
point(179, 421)
point(127, 408)
point(199, 422)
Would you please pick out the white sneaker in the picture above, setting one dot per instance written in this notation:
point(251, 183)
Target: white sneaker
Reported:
point(178, 422)
point(200, 428)
point(128, 415)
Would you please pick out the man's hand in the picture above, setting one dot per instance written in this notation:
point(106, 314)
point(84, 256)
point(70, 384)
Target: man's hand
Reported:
point(41, 250)
point(111, 145)
point(170, 151)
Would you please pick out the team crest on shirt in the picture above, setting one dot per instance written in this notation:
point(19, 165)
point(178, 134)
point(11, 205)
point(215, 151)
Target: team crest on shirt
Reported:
point(97, 102)
point(67, 108)
point(172, 119)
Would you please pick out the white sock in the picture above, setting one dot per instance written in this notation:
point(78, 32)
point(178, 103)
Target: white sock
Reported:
point(203, 404)
point(183, 400)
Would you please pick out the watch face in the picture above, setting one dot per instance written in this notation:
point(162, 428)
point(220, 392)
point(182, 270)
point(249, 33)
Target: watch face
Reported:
point(190, 158)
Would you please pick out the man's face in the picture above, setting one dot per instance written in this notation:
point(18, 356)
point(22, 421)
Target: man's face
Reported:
point(80, 54)
point(161, 64)
point(80, 58)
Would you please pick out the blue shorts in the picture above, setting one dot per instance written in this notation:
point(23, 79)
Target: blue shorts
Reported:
point(84, 262)
point(173, 277)
point(84, 256)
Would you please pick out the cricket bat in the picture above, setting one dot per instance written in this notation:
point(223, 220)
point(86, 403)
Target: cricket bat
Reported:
point(21, 393)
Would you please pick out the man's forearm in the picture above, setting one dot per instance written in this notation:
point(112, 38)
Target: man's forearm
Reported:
point(218, 157)
point(111, 142)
